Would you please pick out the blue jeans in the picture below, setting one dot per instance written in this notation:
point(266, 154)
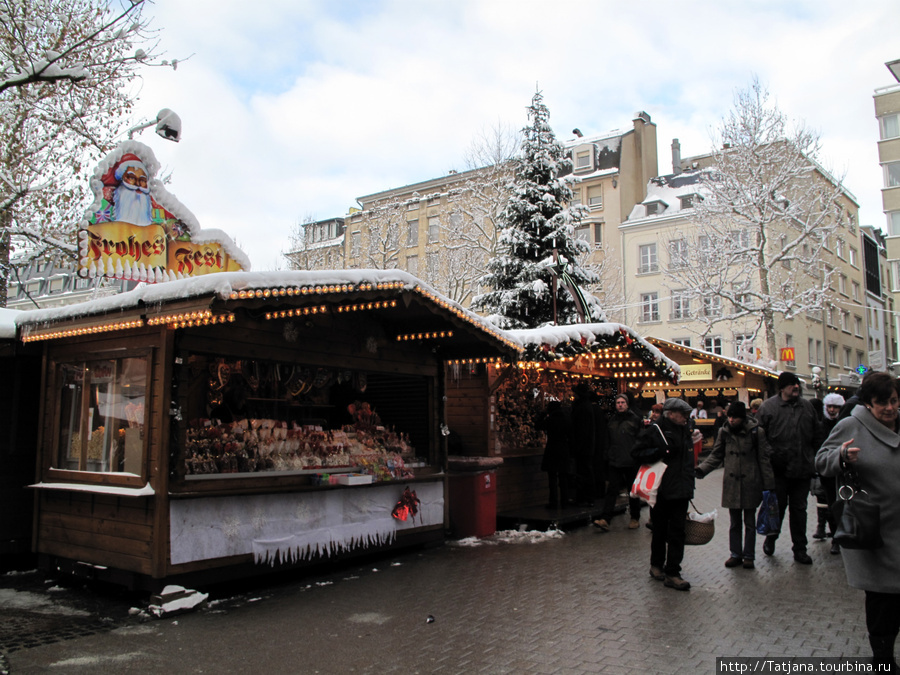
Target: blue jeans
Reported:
point(742, 519)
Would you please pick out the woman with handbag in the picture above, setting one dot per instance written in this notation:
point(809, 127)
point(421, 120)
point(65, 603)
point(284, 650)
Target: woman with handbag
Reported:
point(867, 445)
point(742, 448)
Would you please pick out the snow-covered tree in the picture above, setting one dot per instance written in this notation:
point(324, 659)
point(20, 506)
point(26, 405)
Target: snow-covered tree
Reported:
point(66, 74)
point(537, 248)
point(765, 224)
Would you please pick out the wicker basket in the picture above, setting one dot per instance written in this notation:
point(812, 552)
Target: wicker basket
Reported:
point(697, 533)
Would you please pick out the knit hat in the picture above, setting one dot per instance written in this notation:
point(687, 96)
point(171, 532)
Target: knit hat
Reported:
point(737, 409)
point(677, 405)
point(833, 399)
point(787, 379)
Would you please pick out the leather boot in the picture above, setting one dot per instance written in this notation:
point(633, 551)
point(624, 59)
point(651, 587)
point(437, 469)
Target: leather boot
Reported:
point(883, 652)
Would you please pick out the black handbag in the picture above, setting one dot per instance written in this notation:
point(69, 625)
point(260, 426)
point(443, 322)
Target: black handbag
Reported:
point(858, 518)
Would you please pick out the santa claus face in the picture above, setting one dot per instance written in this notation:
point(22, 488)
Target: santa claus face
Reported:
point(133, 195)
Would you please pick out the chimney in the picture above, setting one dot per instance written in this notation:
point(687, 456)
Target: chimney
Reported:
point(577, 132)
point(676, 156)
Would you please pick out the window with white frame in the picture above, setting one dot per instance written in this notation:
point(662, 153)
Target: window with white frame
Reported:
point(831, 314)
point(854, 257)
point(355, 244)
point(594, 196)
point(839, 249)
point(842, 284)
point(889, 126)
point(678, 253)
point(684, 342)
point(860, 358)
point(810, 348)
point(583, 232)
point(858, 325)
point(845, 321)
point(598, 235)
point(434, 229)
point(655, 208)
point(742, 296)
point(681, 305)
point(848, 357)
point(712, 306)
point(740, 239)
point(832, 353)
point(648, 258)
point(713, 344)
point(431, 265)
point(576, 195)
point(584, 159)
point(412, 233)
point(893, 218)
point(855, 289)
point(649, 307)
point(892, 174)
point(412, 264)
point(413, 205)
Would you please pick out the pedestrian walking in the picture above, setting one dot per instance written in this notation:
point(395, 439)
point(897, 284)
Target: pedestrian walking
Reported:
point(794, 436)
point(622, 429)
point(832, 404)
point(742, 449)
point(868, 441)
point(672, 442)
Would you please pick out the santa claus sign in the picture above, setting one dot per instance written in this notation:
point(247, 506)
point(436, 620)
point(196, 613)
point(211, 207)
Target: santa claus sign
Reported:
point(136, 230)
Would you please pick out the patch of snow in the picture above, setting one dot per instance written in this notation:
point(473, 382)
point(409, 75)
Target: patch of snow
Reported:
point(34, 602)
point(98, 489)
point(510, 537)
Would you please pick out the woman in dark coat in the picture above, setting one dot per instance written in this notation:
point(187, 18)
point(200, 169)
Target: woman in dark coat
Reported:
point(742, 447)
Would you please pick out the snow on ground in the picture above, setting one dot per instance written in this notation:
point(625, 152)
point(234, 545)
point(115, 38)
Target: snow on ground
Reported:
point(509, 537)
point(35, 602)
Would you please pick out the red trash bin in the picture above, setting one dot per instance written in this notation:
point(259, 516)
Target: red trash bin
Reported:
point(473, 503)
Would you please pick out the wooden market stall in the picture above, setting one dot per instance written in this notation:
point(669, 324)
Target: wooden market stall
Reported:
point(492, 410)
point(235, 421)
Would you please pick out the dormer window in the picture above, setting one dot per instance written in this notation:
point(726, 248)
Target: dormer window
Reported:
point(655, 208)
point(583, 158)
point(689, 201)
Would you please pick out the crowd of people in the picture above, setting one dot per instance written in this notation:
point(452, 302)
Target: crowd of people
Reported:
point(786, 444)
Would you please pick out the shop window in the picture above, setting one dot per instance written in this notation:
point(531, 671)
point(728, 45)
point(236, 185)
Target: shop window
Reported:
point(252, 416)
point(101, 415)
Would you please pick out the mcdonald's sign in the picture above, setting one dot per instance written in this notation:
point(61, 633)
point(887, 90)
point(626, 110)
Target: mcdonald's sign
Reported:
point(787, 354)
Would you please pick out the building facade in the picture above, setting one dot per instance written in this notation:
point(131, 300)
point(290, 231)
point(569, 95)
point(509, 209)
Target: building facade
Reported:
point(887, 112)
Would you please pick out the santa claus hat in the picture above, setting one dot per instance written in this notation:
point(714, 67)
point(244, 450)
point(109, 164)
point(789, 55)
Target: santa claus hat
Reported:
point(113, 177)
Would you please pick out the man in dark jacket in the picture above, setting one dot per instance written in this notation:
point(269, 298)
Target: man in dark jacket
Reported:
point(671, 441)
point(794, 434)
point(622, 429)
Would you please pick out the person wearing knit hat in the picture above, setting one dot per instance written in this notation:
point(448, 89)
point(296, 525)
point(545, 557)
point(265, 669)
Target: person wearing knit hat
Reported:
point(742, 449)
point(832, 404)
point(794, 433)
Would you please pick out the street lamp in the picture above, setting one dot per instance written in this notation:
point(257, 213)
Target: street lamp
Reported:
point(168, 126)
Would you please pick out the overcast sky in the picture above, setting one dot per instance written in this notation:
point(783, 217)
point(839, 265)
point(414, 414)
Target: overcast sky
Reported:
point(294, 108)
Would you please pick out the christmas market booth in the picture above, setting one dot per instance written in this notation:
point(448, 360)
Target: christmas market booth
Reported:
point(493, 409)
point(238, 421)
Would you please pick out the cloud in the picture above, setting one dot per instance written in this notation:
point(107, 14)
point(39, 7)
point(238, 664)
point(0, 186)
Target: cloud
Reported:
point(298, 108)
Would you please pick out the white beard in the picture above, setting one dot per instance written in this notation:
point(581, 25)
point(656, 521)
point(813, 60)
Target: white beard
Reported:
point(132, 206)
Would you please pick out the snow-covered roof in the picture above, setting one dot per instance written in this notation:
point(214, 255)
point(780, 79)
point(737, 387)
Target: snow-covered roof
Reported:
point(237, 285)
point(551, 342)
point(669, 190)
point(8, 323)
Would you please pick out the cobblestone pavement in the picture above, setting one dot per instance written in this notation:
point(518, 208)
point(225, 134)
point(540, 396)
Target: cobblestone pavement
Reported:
point(579, 603)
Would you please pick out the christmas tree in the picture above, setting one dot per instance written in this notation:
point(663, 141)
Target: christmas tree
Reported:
point(535, 279)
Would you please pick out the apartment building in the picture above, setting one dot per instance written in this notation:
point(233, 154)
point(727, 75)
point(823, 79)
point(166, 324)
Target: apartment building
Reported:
point(43, 284)
point(660, 242)
point(887, 112)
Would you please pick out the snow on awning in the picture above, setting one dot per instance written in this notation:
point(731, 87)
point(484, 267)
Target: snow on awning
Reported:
point(554, 343)
point(213, 298)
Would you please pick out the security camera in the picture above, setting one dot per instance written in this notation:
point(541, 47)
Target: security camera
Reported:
point(168, 125)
